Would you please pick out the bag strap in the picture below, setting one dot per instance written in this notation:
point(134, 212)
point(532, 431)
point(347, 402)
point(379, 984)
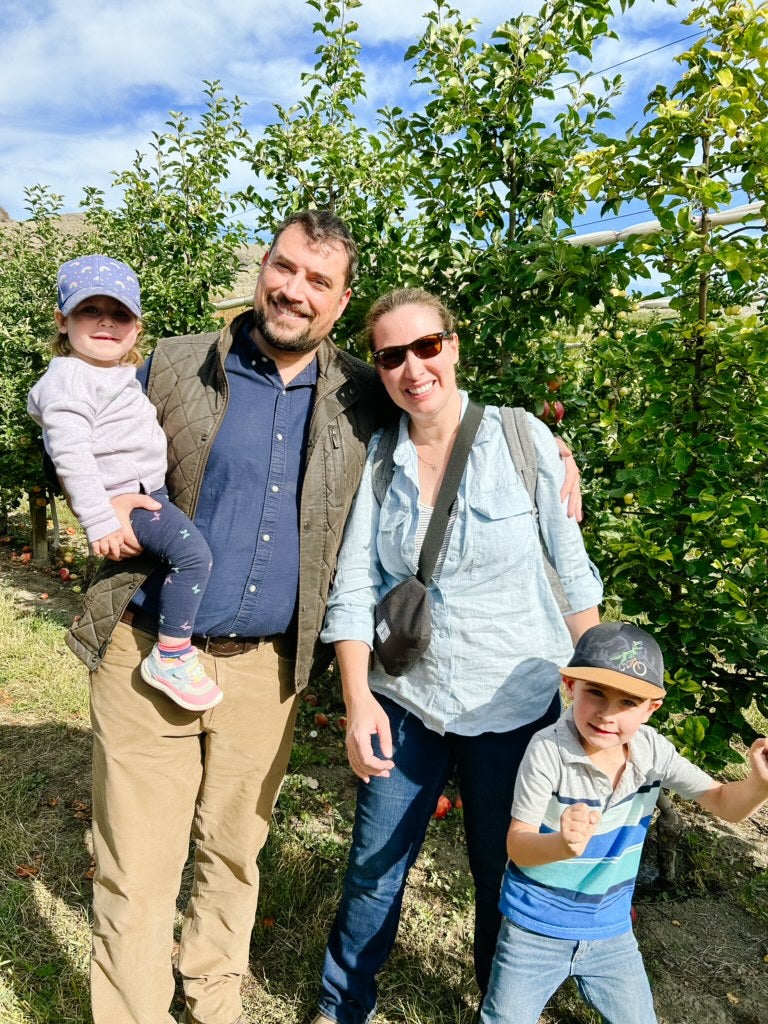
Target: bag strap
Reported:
point(454, 471)
point(384, 462)
point(519, 440)
point(522, 450)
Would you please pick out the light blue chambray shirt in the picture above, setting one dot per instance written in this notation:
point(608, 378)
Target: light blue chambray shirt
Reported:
point(498, 636)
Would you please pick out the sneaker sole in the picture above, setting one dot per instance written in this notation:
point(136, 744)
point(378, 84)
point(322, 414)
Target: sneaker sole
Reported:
point(151, 681)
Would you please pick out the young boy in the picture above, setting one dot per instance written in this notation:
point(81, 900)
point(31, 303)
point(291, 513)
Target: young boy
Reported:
point(583, 802)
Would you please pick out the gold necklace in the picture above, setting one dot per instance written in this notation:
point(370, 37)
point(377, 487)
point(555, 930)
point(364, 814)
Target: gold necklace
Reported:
point(432, 465)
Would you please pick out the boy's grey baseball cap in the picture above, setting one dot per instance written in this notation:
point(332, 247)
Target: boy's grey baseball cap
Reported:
point(87, 276)
point(621, 656)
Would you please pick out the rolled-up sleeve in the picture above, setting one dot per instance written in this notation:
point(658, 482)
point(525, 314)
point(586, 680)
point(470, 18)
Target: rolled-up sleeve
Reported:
point(579, 577)
point(358, 582)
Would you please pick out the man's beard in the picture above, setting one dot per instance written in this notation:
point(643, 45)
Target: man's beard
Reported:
point(301, 342)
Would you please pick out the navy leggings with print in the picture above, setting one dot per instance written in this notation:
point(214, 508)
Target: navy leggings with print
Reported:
point(172, 536)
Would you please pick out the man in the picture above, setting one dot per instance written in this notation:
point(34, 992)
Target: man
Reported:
point(267, 425)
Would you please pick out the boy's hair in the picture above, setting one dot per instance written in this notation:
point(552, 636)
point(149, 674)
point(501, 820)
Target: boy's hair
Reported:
point(621, 656)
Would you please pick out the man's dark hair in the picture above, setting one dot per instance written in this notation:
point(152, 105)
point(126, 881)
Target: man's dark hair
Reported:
point(323, 226)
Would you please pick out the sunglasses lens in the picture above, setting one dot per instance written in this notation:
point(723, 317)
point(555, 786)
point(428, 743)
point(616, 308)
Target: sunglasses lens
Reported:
point(429, 347)
point(390, 358)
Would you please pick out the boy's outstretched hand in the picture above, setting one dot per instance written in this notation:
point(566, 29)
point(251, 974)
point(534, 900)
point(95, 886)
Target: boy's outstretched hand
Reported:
point(577, 826)
point(758, 759)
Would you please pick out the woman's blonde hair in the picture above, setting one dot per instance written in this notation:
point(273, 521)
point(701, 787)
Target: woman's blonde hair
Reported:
point(60, 347)
point(404, 297)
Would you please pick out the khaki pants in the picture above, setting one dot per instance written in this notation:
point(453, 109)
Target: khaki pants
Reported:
point(161, 774)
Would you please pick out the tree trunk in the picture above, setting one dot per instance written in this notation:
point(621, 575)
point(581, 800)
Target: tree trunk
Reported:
point(38, 516)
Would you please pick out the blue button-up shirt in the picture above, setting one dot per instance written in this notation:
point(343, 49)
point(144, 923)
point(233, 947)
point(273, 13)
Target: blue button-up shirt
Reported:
point(248, 509)
point(498, 636)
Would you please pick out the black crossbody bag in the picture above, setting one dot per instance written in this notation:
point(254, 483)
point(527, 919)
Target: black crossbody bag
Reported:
point(403, 617)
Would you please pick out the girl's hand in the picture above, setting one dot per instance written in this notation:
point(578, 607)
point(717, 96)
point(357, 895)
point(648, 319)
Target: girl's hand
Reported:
point(109, 546)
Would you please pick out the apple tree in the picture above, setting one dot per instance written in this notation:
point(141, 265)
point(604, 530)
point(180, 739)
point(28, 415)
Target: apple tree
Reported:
point(176, 225)
point(677, 417)
point(172, 226)
point(30, 252)
point(498, 184)
point(318, 155)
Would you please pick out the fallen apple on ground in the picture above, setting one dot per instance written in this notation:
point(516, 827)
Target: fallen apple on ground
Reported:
point(444, 805)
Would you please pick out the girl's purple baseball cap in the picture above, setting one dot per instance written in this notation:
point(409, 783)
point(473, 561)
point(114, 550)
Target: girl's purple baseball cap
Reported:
point(86, 276)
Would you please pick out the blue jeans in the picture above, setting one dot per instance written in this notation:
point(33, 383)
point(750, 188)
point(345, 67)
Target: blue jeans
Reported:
point(529, 968)
point(390, 824)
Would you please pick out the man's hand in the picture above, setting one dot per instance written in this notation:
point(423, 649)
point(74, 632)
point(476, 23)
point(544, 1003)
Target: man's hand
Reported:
point(123, 505)
point(571, 488)
point(577, 826)
point(367, 718)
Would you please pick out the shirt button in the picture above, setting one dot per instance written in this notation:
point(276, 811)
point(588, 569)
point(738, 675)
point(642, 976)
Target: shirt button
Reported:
point(233, 635)
point(279, 437)
point(275, 488)
point(252, 588)
point(265, 536)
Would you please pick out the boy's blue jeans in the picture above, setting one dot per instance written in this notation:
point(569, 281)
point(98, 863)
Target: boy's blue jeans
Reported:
point(529, 968)
point(390, 823)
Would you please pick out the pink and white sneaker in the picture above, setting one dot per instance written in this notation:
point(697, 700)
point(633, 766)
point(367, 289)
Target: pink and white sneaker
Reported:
point(182, 679)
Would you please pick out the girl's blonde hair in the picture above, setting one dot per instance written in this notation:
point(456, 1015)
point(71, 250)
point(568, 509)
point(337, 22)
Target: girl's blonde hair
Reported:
point(405, 297)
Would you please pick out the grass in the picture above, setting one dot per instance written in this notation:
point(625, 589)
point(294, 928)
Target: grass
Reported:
point(45, 856)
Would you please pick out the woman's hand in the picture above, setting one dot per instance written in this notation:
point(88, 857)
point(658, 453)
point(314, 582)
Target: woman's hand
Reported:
point(123, 505)
point(571, 488)
point(367, 718)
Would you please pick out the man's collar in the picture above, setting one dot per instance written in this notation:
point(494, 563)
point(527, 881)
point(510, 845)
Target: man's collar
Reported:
point(246, 341)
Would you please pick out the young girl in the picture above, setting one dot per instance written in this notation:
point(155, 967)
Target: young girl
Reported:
point(101, 432)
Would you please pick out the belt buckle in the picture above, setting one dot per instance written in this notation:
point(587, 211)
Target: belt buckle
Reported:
point(227, 647)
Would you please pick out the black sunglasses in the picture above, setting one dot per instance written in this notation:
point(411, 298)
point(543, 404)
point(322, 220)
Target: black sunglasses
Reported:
point(427, 347)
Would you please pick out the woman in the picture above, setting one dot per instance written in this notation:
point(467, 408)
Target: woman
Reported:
point(488, 679)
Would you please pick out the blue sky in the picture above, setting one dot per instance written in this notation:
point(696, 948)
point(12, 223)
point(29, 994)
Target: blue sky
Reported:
point(83, 84)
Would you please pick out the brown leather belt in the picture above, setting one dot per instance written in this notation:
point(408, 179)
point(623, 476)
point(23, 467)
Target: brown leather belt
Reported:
point(218, 646)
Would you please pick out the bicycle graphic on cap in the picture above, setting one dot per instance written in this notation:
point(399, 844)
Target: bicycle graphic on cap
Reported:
point(628, 660)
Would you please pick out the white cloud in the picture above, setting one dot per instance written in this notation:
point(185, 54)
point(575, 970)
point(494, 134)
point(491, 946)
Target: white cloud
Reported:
point(83, 85)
